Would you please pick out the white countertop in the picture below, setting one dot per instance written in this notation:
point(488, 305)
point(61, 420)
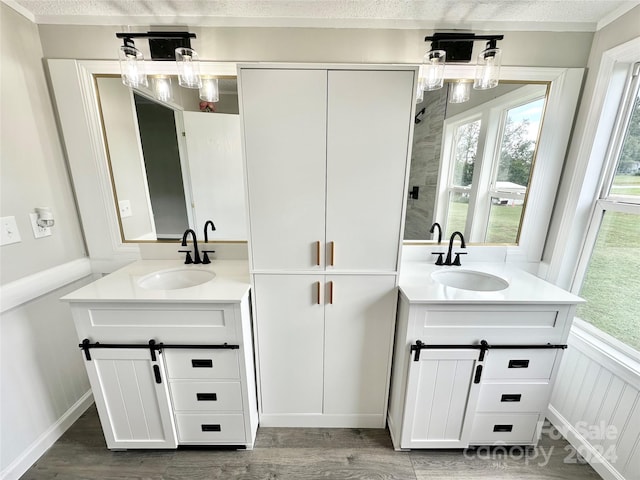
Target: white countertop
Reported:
point(418, 286)
point(230, 284)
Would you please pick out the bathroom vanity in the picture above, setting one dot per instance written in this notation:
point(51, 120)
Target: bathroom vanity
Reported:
point(169, 354)
point(477, 350)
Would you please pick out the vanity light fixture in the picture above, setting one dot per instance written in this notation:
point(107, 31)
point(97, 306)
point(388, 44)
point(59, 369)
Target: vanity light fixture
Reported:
point(132, 65)
point(432, 69)
point(162, 46)
point(459, 91)
point(162, 88)
point(488, 67)
point(209, 90)
point(188, 68)
point(458, 47)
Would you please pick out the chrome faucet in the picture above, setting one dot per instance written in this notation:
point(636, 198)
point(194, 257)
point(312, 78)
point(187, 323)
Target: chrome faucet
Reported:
point(196, 254)
point(456, 261)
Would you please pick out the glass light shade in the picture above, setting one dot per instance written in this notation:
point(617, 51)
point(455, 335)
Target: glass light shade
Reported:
point(459, 92)
point(432, 69)
point(209, 90)
point(420, 90)
point(132, 67)
point(488, 69)
point(188, 68)
point(162, 88)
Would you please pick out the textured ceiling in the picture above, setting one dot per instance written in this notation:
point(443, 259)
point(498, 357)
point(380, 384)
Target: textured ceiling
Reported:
point(506, 14)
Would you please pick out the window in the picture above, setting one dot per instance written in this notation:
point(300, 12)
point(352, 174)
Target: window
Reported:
point(609, 270)
point(492, 150)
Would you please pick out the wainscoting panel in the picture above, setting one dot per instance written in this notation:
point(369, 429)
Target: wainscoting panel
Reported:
point(596, 405)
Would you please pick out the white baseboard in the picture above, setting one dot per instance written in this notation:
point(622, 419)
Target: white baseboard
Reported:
point(598, 462)
point(45, 441)
point(311, 420)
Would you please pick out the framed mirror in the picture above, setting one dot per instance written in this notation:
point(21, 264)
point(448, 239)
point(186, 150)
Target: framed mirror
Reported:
point(175, 162)
point(472, 161)
point(489, 166)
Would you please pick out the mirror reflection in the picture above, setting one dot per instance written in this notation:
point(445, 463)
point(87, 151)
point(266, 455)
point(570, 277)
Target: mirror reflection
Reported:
point(472, 162)
point(175, 163)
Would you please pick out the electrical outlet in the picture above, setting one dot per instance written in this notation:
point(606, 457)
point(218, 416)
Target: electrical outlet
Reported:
point(9, 231)
point(125, 208)
point(38, 231)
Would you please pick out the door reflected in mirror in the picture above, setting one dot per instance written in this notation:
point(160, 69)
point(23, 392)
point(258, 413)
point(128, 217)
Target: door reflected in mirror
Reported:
point(473, 162)
point(175, 163)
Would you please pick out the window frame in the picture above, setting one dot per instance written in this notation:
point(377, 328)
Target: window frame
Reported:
point(607, 202)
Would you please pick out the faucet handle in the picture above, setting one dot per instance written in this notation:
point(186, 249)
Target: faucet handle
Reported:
point(439, 261)
point(205, 257)
point(456, 260)
point(188, 259)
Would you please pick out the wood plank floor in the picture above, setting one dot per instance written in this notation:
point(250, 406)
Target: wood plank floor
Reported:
point(301, 454)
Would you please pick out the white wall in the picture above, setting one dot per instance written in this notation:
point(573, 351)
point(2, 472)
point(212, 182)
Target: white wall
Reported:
point(43, 384)
point(31, 156)
point(549, 49)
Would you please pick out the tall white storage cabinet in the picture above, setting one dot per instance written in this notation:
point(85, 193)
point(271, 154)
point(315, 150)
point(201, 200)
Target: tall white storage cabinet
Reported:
point(326, 152)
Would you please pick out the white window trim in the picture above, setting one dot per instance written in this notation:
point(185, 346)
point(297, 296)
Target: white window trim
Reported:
point(607, 343)
point(584, 165)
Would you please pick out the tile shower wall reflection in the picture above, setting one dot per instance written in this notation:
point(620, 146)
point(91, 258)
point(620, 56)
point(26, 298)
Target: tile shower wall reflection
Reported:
point(425, 161)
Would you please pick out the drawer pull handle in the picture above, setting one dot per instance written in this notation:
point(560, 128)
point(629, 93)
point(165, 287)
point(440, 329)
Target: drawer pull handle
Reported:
point(156, 373)
point(518, 363)
point(211, 427)
point(205, 363)
point(508, 397)
point(502, 428)
point(207, 397)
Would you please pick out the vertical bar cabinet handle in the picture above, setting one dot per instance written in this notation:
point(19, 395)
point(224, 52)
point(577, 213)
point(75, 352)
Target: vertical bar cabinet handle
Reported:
point(318, 293)
point(333, 251)
point(318, 253)
point(331, 292)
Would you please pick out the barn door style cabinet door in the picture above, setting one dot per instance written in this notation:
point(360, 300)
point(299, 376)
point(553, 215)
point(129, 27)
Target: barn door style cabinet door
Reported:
point(326, 153)
point(132, 395)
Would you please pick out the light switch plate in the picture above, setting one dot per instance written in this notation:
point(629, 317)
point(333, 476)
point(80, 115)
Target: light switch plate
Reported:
point(125, 208)
point(38, 231)
point(9, 231)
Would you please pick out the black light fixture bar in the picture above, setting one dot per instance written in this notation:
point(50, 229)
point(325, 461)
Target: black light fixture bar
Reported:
point(162, 45)
point(459, 46)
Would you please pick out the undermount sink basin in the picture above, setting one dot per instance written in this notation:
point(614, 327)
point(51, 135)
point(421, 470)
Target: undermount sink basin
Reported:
point(176, 278)
point(470, 280)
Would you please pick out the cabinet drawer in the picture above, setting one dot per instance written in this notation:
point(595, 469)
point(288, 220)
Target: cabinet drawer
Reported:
point(506, 325)
point(518, 429)
point(210, 324)
point(206, 396)
point(520, 364)
point(210, 428)
point(202, 364)
point(513, 397)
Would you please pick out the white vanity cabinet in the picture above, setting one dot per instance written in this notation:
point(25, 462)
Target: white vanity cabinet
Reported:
point(169, 368)
point(476, 368)
point(326, 154)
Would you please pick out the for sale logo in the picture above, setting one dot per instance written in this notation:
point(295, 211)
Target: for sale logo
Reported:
point(598, 446)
